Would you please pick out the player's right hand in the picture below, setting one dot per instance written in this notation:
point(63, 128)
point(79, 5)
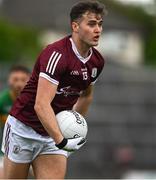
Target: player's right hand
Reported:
point(71, 145)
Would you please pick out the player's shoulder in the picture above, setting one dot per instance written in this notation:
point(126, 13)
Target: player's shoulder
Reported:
point(59, 46)
point(54, 54)
point(56, 50)
point(99, 58)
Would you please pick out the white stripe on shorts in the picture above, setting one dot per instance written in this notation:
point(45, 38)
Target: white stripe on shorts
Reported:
point(7, 139)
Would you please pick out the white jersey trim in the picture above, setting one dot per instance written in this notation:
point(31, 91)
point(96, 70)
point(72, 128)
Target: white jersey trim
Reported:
point(50, 59)
point(49, 78)
point(92, 83)
point(54, 67)
point(53, 61)
point(82, 59)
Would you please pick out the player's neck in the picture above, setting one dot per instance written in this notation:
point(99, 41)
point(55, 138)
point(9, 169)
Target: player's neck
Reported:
point(82, 48)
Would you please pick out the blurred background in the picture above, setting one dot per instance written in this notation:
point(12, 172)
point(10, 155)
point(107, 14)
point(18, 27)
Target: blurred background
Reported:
point(122, 119)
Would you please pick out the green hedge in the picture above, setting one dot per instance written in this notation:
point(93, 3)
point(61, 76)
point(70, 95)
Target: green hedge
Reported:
point(17, 43)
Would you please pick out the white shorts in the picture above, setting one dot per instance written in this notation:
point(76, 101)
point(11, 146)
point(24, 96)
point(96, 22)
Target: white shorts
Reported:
point(22, 144)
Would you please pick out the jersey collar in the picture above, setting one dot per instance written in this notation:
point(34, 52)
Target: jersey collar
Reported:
point(82, 59)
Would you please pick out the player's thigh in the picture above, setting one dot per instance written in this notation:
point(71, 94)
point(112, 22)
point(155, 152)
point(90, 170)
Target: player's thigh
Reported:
point(1, 166)
point(1, 172)
point(50, 166)
point(14, 170)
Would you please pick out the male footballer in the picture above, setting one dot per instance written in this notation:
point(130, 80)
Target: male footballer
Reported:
point(62, 79)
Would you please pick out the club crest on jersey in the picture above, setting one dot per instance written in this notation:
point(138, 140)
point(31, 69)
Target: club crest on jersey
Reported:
point(94, 72)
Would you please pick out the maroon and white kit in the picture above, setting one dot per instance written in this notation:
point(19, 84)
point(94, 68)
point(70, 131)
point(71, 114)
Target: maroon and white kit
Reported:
point(61, 64)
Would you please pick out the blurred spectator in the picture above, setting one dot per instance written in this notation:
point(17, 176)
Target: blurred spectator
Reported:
point(17, 79)
point(123, 158)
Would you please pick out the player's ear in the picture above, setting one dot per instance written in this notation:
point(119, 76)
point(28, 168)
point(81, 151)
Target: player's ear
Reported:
point(75, 27)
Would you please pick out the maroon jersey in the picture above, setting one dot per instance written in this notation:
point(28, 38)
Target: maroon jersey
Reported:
point(61, 64)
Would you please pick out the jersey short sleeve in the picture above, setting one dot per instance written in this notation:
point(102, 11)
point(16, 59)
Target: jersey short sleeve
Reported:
point(93, 82)
point(98, 67)
point(52, 65)
point(99, 70)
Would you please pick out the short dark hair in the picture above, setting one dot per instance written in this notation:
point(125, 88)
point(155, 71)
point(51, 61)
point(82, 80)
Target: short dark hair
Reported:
point(19, 68)
point(83, 6)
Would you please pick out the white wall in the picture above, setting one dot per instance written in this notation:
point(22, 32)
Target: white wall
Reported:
point(124, 47)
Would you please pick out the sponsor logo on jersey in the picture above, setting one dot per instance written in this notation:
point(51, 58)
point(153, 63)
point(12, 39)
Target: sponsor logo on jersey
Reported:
point(67, 91)
point(94, 72)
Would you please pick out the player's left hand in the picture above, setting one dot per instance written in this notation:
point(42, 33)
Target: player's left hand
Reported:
point(72, 144)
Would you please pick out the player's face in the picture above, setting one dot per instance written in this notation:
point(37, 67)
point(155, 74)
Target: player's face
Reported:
point(90, 28)
point(17, 80)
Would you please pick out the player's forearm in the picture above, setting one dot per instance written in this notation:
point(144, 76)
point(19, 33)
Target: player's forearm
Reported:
point(48, 119)
point(82, 105)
